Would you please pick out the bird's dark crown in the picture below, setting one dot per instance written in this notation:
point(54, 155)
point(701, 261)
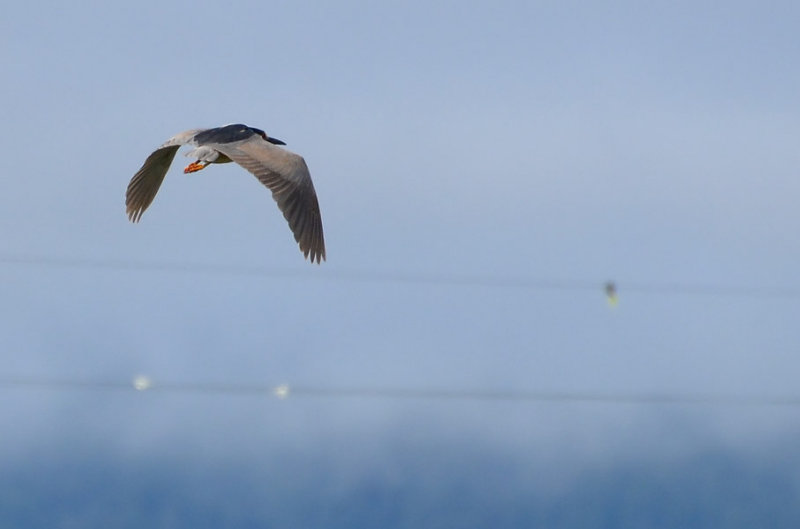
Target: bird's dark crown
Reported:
point(232, 133)
point(264, 135)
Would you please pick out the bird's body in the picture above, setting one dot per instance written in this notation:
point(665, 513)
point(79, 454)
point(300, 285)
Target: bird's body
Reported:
point(283, 172)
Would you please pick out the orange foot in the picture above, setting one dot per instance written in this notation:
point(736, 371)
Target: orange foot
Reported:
point(194, 166)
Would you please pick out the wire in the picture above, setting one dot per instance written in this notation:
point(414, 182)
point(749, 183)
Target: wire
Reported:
point(363, 276)
point(283, 391)
point(243, 270)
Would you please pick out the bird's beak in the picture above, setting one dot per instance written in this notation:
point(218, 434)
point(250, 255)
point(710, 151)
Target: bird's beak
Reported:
point(275, 141)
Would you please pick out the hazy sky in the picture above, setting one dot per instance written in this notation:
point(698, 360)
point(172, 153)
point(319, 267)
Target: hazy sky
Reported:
point(526, 145)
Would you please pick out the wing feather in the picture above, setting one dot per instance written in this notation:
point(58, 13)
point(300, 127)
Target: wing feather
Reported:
point(144, 185)
point(286, 175)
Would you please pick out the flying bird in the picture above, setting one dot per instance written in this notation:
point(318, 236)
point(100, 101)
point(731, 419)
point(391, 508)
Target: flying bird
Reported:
point(283, 172)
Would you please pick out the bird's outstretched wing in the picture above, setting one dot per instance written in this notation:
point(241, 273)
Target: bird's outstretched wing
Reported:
point(144, 185)
point(286, 175)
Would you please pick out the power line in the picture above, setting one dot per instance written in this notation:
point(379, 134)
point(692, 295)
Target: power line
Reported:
point(284, 391)
point(440, 279)
point(260, 271)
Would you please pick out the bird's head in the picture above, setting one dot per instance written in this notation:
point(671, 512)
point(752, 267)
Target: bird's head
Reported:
point(263, 134)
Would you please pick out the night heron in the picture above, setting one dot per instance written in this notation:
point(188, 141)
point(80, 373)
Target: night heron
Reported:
point(283, 172)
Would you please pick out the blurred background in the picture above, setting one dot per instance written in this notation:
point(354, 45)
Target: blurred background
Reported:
point(483, 170)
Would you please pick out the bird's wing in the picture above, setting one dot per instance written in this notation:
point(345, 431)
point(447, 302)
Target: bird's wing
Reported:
point(286, 175)
point(144, 185)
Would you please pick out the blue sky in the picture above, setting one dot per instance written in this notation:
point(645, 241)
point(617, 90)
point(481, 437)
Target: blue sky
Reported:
point(516, 142)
